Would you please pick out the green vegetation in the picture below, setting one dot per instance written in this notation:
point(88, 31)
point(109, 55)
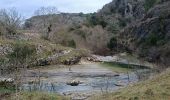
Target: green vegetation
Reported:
point(22, 55)
point(72, 44)
point(22, 51)
point(157, 88)
point(113, 27)
point(37, 96)
point(112, 44)
point(123, 22)
point(153, 39)
point(120, 67)
point(94, 20)
point(150, 3)
point(117, 67)
point(6, 89)
point(27, 52)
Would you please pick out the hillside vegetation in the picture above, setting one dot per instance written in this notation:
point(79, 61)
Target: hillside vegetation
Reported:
point(149, 37)
point(35, 53)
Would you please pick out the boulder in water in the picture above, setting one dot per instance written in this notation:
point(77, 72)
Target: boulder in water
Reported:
point(73, 83)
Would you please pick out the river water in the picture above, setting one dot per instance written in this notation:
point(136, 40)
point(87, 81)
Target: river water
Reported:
point(94, 78)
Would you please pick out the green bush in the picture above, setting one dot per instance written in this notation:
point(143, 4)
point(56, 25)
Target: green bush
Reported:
point(94, 20)
point(113, 28)
point(72, 44)
point(112, 44)
point(122, 22)
point(154, 39)
point(23, 53)
point(150, 3)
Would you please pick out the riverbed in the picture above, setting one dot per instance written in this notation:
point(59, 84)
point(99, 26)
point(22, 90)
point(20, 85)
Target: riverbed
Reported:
point(94, 78)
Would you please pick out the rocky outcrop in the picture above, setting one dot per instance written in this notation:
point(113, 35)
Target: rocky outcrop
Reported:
point(161, 10)
point(150, 37)
point(72, 61)
point(5, 49)
point(120, 13)
point(62, 57)
point(125, 8)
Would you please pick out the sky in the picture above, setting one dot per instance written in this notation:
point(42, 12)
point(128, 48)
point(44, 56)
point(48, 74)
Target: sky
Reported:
point(27, 7)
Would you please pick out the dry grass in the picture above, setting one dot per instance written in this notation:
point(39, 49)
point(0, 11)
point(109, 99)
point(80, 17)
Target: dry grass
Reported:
point(157, 88)
point(45, 48)
point(36, 96)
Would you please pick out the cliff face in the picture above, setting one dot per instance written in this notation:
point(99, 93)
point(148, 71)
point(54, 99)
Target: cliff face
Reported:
point(120, 13)
point(150, 37)
point(132, 9)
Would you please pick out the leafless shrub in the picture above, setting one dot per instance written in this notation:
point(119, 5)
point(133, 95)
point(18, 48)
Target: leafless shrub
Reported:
point(46, 11)
point(10, 21)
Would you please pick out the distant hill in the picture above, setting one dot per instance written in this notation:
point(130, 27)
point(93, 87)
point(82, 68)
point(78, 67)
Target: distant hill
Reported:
point(42, 21)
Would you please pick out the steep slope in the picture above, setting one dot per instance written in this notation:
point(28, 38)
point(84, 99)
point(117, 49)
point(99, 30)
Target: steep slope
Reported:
point(122, 12)
point(150, 37)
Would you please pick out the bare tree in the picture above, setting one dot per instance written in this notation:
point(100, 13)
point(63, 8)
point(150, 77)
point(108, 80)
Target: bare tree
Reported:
point(11, 20)
point(97, 38)
point(46, 11)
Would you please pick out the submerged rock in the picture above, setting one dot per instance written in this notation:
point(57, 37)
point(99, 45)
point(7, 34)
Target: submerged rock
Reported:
point(116, 75)
point(119, 84)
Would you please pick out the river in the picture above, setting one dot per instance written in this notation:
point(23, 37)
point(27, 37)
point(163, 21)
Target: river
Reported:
point(94, 78)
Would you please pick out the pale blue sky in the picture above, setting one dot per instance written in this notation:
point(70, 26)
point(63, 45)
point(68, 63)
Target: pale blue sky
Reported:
point(27, 7)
